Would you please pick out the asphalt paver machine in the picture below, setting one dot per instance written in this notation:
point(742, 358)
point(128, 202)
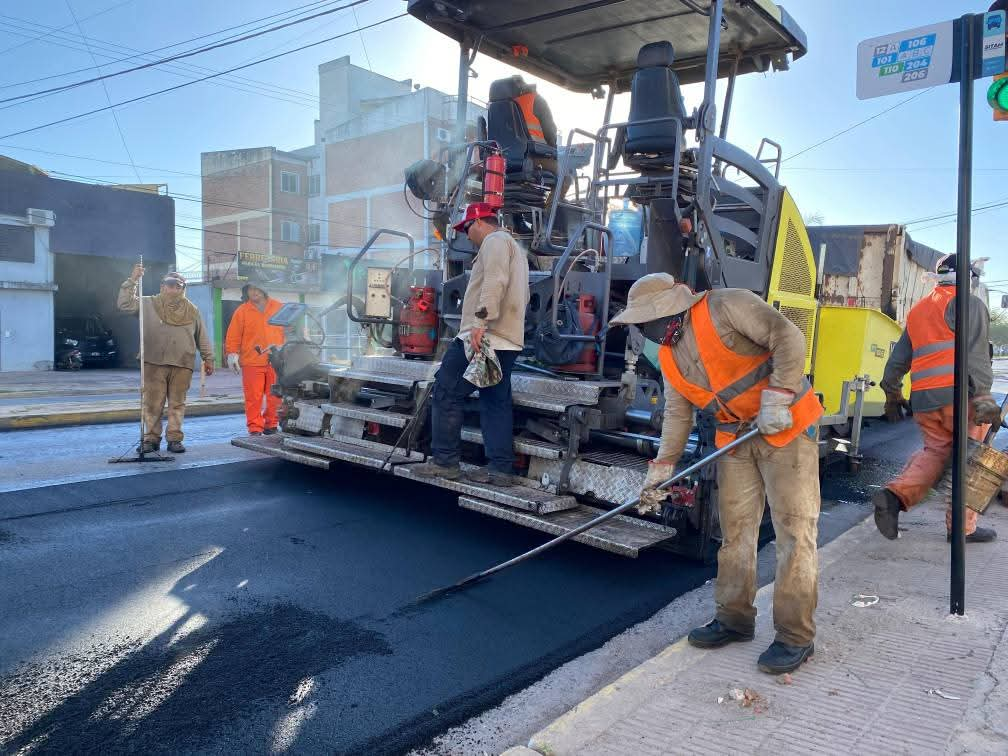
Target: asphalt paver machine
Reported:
point(588, 402)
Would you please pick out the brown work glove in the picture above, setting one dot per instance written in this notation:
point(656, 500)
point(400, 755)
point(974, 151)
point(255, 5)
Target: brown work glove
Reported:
point(651, 498)
point(895, 406)
point(986, 410)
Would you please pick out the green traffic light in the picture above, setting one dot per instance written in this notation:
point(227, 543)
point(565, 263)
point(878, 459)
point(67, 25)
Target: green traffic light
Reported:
point(997, 95)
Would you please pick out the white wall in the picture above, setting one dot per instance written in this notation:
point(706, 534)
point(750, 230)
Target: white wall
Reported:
point(26, 306)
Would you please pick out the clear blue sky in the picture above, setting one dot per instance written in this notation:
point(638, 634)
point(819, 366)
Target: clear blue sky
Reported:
point(897, 168)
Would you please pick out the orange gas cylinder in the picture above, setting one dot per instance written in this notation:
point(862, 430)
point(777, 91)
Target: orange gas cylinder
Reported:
point(588, 358)
point(418, 323)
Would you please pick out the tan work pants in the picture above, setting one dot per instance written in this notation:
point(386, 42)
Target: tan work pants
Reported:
point(164, 383)
point(788, 479)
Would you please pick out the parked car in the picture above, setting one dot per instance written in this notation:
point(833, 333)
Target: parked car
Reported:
point(97, 346)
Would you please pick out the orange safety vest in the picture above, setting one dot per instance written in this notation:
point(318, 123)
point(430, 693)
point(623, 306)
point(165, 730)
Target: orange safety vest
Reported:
point(932, 364)
point(737, 382)
point(526, 103)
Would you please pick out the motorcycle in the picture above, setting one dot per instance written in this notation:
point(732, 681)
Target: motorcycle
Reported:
point(68, 356)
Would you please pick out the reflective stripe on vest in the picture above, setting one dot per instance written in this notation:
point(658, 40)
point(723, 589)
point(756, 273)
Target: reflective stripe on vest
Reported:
point(737, 382)
point(932, 341)
point(526, 103)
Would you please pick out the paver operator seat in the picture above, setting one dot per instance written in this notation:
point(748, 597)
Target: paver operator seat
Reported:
point(654, 93)
point(531, 158)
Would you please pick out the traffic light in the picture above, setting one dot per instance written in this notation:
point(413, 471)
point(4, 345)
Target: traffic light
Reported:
point(997, 96)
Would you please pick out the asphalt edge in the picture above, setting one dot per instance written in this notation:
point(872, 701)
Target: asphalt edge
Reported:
point(35, 420)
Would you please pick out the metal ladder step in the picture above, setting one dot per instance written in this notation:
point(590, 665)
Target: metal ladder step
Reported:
point(621, 535)
point(359, 452)
point(519, 497)
point(275, 447)
point(367, 414)
point(532, 447)
point(366, 376)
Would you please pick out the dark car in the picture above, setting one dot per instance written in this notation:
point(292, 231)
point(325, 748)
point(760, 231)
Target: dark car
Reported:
point(97, 346)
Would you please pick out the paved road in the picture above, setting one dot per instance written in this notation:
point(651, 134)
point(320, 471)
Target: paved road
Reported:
point(257, 606)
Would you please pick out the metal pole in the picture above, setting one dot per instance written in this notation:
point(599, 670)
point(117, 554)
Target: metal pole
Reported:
point(140, 325)
point(726, 113)
point(957, 589)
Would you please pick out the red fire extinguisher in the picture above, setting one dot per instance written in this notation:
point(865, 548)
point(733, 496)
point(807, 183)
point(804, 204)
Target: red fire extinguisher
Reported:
point(418, 323)
point(494, 169)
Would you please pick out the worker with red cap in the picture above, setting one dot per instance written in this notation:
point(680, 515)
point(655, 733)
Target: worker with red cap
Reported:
point(926, 350)
point(493, 311)
point(249, 337)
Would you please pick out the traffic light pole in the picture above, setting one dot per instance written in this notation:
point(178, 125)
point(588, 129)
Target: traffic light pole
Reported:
point(957, 590)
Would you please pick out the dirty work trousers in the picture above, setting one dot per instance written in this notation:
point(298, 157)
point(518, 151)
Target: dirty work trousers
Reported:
point(164, 384)
point(787, 478)
point(256, 383)
point(496, 420)
point(926, 467)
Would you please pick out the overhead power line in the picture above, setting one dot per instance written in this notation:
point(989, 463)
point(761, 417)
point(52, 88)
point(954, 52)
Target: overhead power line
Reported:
point(196, 81)
point(185, 54)
point(49, 30)
point(856, 125)
point(67, 26)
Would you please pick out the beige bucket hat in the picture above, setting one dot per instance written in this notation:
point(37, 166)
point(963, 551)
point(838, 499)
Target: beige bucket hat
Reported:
point(654, 296)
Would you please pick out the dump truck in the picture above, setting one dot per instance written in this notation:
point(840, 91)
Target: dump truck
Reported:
point(587, 401)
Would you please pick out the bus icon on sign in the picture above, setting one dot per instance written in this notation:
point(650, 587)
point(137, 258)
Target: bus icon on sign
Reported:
point(993, 22)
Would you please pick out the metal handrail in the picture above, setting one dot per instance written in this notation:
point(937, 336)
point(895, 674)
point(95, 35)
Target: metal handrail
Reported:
point(350, 271)
point(555, 200)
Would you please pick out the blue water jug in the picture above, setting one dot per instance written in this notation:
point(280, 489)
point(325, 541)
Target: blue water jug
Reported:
point(626, 226)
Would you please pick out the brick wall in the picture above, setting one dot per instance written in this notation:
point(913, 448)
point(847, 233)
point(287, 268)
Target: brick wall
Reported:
point(236, 190)
point(373, 160)
point(347, 222)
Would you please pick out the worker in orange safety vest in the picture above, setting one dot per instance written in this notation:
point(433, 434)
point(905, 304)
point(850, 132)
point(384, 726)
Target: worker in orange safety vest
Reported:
point(248, 330)
point(731, 355)
point(926, 350)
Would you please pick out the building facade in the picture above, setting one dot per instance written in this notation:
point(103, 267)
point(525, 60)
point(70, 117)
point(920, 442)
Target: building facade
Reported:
point(65, 247)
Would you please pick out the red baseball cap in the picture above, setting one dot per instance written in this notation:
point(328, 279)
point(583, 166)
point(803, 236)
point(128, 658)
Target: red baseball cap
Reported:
point(475, 211)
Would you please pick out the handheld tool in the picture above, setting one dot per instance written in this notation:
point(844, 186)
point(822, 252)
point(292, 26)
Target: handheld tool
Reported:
point(588, 525)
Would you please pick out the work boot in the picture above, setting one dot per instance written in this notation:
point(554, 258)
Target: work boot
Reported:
point(176, 447)
point(255, 433)
point(270, 431)
point(980, 535)
point(148, 447)
point(887, 509)
point(781, 658)
point(434, 470)
point(714, 635)
point(486, 476)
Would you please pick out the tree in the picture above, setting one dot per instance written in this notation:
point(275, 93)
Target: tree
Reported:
point(814, 219)
point(999, 326)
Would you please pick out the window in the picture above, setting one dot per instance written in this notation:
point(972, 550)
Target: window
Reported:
point(290, 182)
point(17, 244)
point(314, 233)
point(290, 231)
point(314, 185)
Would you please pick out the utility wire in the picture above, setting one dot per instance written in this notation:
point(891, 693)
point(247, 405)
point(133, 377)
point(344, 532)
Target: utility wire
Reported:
point(185, 54)
point(85, 18)
point(290, 13)
point(859, 123)
point(363, 46)
point(108, 97)
point(196, 81)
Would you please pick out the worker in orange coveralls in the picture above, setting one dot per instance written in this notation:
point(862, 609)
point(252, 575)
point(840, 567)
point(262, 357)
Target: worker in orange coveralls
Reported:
point(248, 330)
point(926, 350)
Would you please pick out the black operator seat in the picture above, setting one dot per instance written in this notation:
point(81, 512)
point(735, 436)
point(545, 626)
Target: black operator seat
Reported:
point(515, 108)
point(654, 93)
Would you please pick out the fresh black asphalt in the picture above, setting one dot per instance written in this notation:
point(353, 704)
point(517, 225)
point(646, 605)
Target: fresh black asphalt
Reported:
point(265, 606)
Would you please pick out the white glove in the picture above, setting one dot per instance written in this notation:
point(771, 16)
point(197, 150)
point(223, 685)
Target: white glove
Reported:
point(232, 361)
point(774, 412)
point(650, 497)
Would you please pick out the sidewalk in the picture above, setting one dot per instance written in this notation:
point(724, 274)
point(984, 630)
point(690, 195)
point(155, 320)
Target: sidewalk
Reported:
point(48, 399)
point(892, 673)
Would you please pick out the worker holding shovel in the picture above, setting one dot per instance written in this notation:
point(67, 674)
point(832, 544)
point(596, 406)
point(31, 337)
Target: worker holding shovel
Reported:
point(173, 332)
point(731, 355)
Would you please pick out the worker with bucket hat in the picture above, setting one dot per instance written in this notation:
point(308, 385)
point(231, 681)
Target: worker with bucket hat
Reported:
point(731, 355)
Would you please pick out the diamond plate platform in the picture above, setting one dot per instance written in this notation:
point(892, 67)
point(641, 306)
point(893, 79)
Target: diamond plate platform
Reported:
point(274, 447)
point(368, 414)
point(518, 497)
point(621, 535)
point(532, 447)
point(359, 453)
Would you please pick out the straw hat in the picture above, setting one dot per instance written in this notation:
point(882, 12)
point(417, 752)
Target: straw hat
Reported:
point(655, 296)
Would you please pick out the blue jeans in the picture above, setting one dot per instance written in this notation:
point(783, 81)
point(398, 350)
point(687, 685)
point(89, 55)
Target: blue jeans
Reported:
point(496, 421)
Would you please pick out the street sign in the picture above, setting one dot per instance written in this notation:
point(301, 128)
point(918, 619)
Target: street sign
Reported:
point(913, 59)
point(993, 54)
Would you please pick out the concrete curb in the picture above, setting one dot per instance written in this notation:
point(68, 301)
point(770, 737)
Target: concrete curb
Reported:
point(59, 416)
